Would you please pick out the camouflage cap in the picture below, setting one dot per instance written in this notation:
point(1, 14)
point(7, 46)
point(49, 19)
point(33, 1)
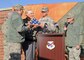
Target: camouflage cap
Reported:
point(45, 9)
point(18, 7)
point(70, 15)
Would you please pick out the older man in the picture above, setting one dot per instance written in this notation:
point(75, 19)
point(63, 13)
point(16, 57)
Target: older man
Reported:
point(30, 39)
point(13, 30)
point(72, 39)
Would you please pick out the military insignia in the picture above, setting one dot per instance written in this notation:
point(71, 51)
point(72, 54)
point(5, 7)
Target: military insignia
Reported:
point(50, 45)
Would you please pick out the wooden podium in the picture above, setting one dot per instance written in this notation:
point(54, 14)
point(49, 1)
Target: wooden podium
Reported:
point(51, 46)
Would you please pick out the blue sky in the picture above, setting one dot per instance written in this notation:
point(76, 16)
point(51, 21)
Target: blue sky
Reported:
point(10, 3)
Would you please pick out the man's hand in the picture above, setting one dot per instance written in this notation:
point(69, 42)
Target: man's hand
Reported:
point(65, 28)
point(41, 25)
point(35, 26)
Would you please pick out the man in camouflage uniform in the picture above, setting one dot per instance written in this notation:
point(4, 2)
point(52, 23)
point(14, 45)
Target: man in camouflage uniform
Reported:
point(45, 19)
point(72, 39)
point(74, 53)
point(13, 30)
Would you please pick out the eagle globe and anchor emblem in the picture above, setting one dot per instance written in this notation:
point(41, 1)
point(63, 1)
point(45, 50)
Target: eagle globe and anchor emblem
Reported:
point(50, 45)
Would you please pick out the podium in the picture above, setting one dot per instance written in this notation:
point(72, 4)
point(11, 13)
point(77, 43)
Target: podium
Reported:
point(51, 46)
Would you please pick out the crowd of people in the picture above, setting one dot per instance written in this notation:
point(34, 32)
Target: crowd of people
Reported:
point(21, 33)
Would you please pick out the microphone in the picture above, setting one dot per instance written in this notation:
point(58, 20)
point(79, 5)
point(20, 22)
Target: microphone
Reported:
point(45, 29)
point(57, 26)
point(45, 25)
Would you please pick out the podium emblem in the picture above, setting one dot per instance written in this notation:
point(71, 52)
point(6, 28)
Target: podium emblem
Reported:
point(50, 45)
